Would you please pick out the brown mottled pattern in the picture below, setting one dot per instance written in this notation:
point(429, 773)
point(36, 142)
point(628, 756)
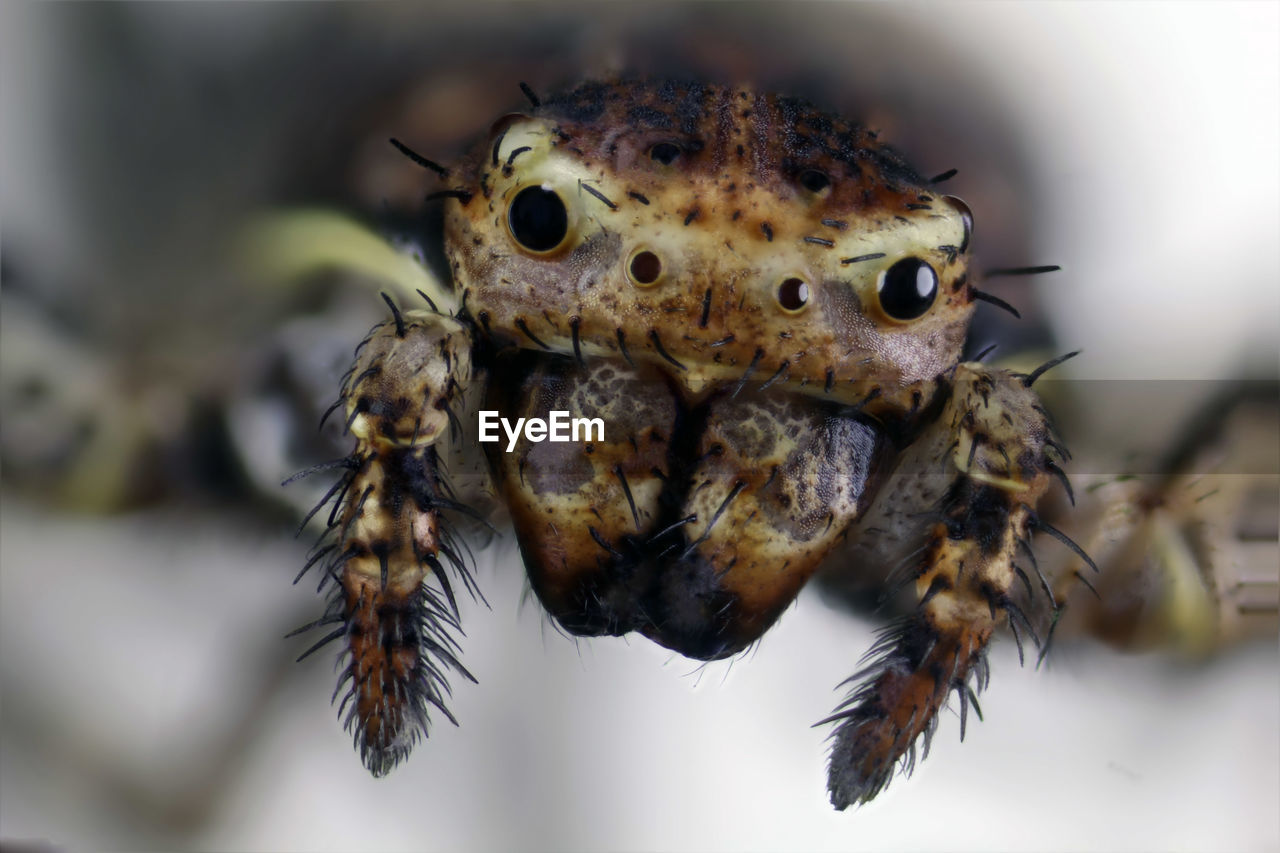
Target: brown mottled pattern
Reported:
point(729, 219)
point(560, 494)
point(391, 538)
point(760, 530)
point(982, 466)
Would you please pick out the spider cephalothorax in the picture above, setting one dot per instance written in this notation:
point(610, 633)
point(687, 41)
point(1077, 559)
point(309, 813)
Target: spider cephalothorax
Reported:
point(764, 307)
point(718, 233)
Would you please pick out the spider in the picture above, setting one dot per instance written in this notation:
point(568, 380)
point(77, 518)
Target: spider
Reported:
point(764, 307)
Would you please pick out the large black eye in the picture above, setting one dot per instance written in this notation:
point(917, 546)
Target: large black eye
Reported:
point(907, 289)
point(538, 219)
point(664, 153)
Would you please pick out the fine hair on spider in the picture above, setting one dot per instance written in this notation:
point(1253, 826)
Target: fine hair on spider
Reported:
point(389, 557)
point(927, 654)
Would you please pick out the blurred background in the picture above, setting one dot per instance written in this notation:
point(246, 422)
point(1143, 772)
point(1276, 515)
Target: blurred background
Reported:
point(153, 397)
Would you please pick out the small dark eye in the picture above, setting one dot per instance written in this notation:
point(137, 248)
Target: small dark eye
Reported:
point(538, 219)
point(907, 289)
point(664, 153)
point(813, 180)
point(966, 216)
point(645, 267)
point(793, 294)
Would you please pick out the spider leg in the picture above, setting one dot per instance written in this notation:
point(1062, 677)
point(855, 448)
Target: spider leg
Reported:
point(391, 535)
point(992, 445)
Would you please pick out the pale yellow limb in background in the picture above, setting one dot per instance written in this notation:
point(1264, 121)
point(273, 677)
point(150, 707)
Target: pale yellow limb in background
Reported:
point(284, 245)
